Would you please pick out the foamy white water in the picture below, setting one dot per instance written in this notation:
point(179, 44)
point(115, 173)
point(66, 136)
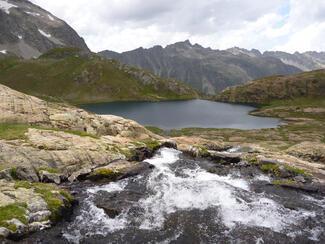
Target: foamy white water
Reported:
point(173, 187)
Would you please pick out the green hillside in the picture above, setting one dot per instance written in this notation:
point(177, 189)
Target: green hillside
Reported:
point(70, 75)
point(270, 89)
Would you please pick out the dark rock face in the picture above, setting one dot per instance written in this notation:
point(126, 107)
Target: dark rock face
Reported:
point(207, 70)
point(27, 30)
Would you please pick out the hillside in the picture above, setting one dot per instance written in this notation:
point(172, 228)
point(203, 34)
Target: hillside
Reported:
point(205, 69)
point(78, 77)
point(263, 91)
point(27, 30)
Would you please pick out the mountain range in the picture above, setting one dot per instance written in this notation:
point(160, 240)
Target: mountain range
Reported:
point(211, 71)
point(28, 32)
point(43, 56)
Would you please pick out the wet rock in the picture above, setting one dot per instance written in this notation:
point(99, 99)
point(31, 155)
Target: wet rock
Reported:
point(168, 143)
point(225, 157)
point(117, 170)
point(4, 232)
point(111, 212)
point(142, 153)
point(114, 203)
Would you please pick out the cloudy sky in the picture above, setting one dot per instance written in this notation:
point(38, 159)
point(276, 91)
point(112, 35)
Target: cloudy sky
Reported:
point(121, 25)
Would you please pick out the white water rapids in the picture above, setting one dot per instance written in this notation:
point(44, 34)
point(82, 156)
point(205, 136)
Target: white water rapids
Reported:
point(172, 187)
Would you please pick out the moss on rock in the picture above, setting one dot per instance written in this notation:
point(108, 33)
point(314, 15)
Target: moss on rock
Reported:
point(57, 199)
point(12, 211)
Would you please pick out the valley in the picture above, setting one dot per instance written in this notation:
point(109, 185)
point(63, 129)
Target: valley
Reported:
point(174, 143)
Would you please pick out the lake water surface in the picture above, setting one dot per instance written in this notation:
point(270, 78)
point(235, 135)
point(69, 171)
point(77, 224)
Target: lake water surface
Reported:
point(184, 114)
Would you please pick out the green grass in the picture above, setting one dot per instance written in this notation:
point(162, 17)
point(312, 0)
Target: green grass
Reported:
point(79, 79)
point(295, 170)
point(151, 144)
point(301, 102)
point(51, 194)
point(13, 131)
point(283, 182)
point(17, 211)
point(50, 170)
point(155, 130)
point(103, 175)
point(271, 168)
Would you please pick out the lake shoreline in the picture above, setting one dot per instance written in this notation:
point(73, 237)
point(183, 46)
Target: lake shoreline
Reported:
point(169, 115)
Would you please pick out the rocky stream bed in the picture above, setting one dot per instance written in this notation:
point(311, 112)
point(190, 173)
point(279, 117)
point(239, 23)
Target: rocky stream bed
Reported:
point(181, 199)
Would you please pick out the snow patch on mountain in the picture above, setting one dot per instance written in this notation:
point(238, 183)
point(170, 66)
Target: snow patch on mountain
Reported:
point(33, 14)
point(5, 6)
point(44, 33)
point(50, 17)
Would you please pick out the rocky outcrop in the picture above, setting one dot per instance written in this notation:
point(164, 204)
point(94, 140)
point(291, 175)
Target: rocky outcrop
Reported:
point(16, 107)
point(27, 30)
point(263, 91)
point(205, 69)
point(61, 143)
point(314, 152)
point(27, 207)
point(64, 139)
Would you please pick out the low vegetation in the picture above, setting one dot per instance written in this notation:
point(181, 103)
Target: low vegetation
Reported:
point(103, 174)
point(12, 211)
point(66, 74)
point(55, 198)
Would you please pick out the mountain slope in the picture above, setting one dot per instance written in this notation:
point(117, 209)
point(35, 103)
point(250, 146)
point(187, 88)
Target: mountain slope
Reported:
point(263, 91)
point(77, 77)
point(207, 70)
point(306, 61)
point(27, 30)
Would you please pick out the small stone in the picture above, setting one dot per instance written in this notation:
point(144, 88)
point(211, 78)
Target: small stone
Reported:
point(6, 174)
point(39, 216)
point(300, 179)
point(21, 228)
point(36, 226)
point(111, 212)
point(4, 232)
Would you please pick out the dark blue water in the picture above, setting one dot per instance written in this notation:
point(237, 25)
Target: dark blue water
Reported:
point(184, 114)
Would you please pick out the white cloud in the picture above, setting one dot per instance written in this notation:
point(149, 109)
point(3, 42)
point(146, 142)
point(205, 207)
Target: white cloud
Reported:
point(120, 25)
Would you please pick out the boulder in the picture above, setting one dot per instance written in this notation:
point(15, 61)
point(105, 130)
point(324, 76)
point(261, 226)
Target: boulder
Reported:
point(26, 173)
point(5, 174)
point(117, 170)
point(4, 232)
point(224, 157)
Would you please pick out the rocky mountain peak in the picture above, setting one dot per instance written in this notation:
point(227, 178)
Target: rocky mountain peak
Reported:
point(28, 31)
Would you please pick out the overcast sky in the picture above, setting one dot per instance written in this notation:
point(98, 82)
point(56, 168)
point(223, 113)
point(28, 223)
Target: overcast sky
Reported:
point(121, 25)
